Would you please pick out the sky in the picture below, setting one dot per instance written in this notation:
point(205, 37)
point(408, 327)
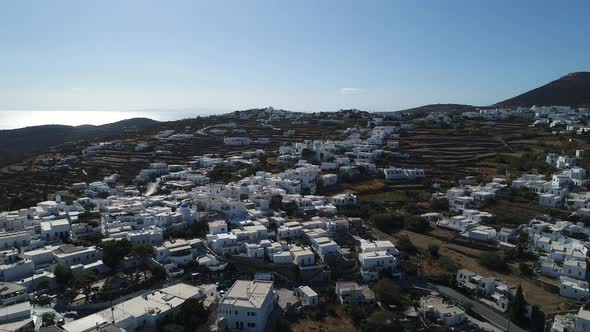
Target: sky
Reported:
point(296, 55)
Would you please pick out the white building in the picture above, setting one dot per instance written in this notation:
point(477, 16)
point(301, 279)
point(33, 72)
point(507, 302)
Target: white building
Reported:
point(247, 306)
point(402, 173)
point(55, 230)
point(351, 292)
point(308, 296)
point(573, 288)
point(71, 255)
point(449, 314)
point(147, 311)
point(374, 262)
point(345, 199)
point(217, 227)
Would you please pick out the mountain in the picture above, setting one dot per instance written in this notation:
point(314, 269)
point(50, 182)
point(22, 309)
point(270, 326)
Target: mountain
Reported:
point(439, 108)
point(16, 144)
point(570, 90)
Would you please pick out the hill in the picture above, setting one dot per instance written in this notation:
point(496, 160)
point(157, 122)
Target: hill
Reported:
point(570, 90)
point(439, 108)
point(16, 144)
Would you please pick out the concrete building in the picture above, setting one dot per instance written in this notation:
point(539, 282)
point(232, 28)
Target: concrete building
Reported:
point(449, 314)
point(247, 306)
point(146, 311)
point(349, 292)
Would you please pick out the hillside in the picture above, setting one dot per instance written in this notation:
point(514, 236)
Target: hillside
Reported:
point(16, 144)
point(570, 90)
point(439, 108)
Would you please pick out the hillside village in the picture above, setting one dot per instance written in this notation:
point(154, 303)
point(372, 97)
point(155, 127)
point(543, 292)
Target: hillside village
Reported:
point(269, 220)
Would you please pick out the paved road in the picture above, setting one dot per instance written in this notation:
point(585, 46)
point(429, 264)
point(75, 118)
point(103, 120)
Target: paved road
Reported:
point(480, 308)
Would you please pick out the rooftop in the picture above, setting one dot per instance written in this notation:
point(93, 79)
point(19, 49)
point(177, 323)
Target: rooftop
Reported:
point(250, 294)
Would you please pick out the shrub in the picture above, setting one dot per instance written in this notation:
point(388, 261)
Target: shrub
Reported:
point(494, 261)
point(433, 250)
point(405, 244)
point(448, 264)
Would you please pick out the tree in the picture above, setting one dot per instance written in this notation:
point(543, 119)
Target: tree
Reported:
point(143, 250)
point(537, 320)
point(290, 208)
point(522, 243)
point(517, 308)
point(405, 244)
point(388, 292)
point(525, 269)
point(433, 250)
point(448, 264)
point(85, 282)
point(158, 273)
point(276, 202)
point(113, 252)
point(439, 204)
point(63, 274)
point(417, 224)
point(192, 314)
point(387, 222)
point(493, 261)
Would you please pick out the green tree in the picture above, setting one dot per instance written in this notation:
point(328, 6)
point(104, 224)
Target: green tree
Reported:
point(276, 202)
point(405, 244)
point(417, 224)
point(143, 250)
point(113, 252)
point(494, 261)
point(158, 273)
point(433, 249)
point(522, 243)
point(63, 274)
point(387, 222)
point(192, 314)
point(517, 308)
point(85, 282)
point(537, 319)
point(290, 208)
point(388, 292)
point(525, 269)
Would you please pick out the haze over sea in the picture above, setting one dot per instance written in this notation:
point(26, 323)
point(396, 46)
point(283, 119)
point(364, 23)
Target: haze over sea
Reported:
point(21, 118)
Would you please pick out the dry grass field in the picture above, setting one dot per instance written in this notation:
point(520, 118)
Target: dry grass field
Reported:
point(466, 258)
point(340, 323)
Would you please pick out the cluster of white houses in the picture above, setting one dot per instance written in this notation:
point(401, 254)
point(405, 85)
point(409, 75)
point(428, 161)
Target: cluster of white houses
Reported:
point(244, 218)
point(553, 193)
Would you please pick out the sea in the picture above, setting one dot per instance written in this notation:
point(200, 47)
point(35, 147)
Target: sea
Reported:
point(20, 119)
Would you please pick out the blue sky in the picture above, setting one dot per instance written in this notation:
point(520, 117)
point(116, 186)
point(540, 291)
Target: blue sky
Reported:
point(298, 55)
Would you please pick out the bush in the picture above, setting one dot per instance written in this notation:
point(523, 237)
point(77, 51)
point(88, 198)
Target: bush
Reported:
point(494, 261)
point(387, 222)
point(433, 250)
point(405, 244)
point(525, 269)
point(63, 274)
point(417, 224)
point(448, 264)
point(387, 292)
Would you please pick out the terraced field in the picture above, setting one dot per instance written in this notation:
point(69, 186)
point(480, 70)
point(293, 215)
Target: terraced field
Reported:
point(454, 152)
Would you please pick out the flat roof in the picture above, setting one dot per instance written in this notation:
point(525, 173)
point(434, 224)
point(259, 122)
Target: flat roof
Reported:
point(250, 294)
